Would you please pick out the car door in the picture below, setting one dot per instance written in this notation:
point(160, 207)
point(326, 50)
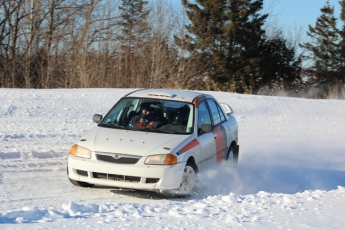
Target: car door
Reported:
point(206, 140)
point(219, 132)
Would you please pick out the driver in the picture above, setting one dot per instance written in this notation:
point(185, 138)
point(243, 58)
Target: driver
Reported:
point(147, 119)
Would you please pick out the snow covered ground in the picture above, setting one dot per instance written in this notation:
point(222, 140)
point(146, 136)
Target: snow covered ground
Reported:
point(291, 172)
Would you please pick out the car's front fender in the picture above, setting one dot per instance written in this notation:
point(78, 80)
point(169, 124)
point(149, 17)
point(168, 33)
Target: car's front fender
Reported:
point(189, 149)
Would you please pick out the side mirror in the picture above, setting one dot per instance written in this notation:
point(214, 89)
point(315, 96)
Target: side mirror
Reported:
point(227, 109)
point(97, 118)
point(205, 129)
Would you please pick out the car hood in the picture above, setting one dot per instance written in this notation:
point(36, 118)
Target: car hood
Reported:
point(131, 142)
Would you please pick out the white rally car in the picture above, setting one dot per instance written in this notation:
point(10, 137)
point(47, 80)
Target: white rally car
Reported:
point(155, 140)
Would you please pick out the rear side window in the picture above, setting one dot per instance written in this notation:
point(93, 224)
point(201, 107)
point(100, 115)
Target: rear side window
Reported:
point(217, 113)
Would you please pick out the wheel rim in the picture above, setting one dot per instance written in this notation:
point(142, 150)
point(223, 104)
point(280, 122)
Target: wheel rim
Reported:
point(188, 180)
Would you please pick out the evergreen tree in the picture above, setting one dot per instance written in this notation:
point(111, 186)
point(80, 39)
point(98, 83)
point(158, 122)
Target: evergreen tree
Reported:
point(342, 48)
point(279, 65)
point(206, 35)
point(134, 24)
point(324, 50)
point(133, 39)
point(246, 38)
point(227, 33)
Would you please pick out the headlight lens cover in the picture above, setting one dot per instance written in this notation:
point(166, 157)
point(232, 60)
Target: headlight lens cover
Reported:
point(79, 151)
point(162, 159)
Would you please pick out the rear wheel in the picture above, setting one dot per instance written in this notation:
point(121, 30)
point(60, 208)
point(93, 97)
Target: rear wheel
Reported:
point(232, 156)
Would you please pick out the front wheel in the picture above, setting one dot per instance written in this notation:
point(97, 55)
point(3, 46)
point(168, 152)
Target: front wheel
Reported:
point(188, 181)
point(79, 183)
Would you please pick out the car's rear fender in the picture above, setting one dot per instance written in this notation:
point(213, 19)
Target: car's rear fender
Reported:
point(233, 130)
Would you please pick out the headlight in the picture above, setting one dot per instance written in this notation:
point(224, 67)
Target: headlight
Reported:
point(163, 159)
point(79, 151)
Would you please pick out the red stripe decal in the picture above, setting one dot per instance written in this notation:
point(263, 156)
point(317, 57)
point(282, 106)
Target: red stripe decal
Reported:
point(131, 93)
point(217, 132)
point(220, 156)
point(197, 100)
point(190, 145)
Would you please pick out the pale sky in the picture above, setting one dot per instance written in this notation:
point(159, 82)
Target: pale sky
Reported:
point(294, 12)
point(298, 12)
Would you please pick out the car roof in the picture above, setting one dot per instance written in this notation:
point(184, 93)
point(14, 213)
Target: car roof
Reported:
point(168, 94)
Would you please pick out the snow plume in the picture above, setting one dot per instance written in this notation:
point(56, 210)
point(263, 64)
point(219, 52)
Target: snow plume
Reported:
point(279, 166)
point(222, 180)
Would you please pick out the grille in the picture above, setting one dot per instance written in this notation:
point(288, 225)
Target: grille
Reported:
point(116, 177)
point(121, 160)
point(82, 172)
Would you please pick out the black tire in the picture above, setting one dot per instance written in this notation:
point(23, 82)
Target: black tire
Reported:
point(79, 183)
point(232, 156)
point(188, 182)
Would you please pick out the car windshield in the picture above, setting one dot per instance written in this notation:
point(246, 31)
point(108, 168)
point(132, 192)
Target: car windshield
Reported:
point(152, 115)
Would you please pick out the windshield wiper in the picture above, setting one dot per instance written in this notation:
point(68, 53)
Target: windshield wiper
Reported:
point(108, 125)
point(161, 131)
point(152, 130)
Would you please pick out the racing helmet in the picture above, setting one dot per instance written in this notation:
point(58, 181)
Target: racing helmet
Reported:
point(147, 106)
point(182, 115)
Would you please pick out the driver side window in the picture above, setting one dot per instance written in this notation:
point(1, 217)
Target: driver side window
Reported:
point(203, 115)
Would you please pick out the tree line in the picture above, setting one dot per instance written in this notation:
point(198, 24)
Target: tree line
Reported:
point(201, 45)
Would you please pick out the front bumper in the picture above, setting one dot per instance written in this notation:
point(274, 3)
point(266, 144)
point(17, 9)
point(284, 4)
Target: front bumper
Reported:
point(134, 176)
